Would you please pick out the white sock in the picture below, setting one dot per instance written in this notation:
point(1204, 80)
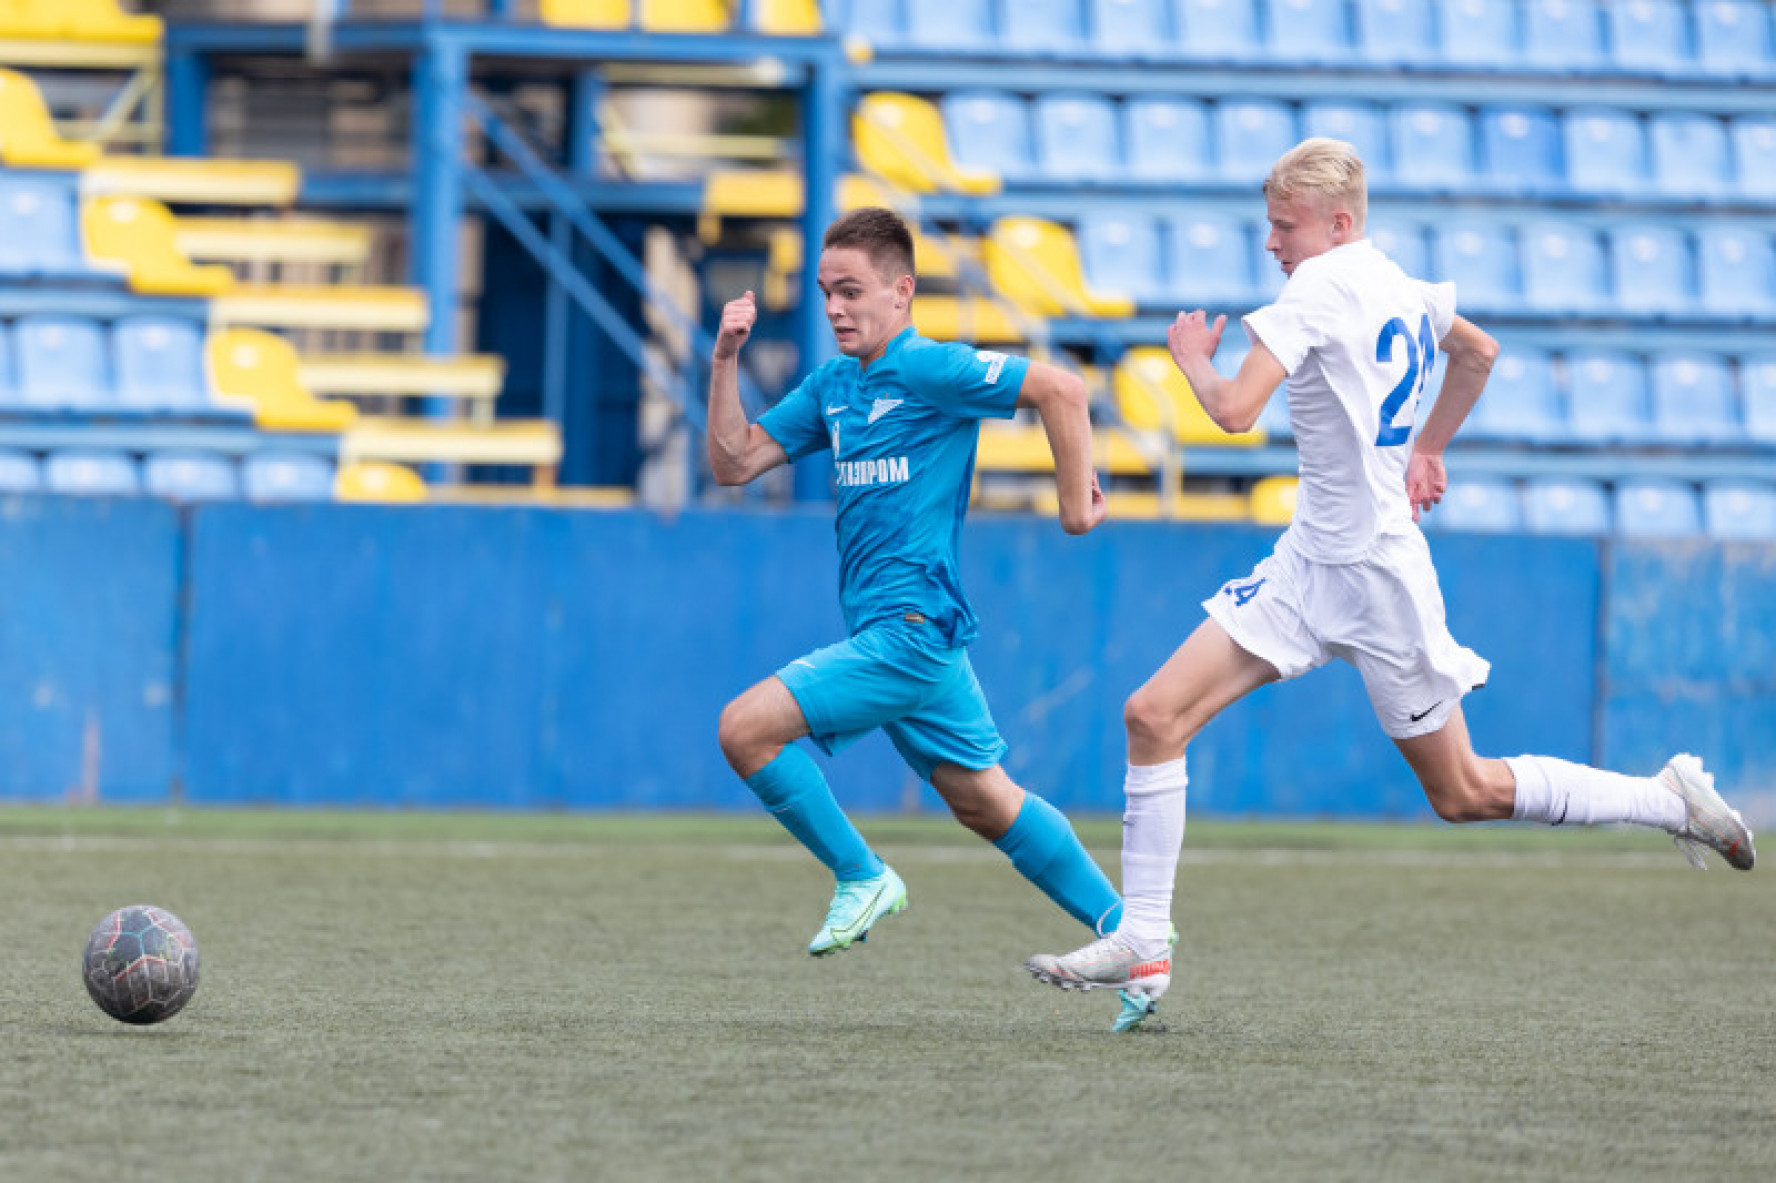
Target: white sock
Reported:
point(1560, 793)
point(1152, 834)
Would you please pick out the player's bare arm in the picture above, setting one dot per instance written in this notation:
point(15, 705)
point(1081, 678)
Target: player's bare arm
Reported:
point(1233, 403)
point(739, 451)
point(1471, 352)
point(1061, 401)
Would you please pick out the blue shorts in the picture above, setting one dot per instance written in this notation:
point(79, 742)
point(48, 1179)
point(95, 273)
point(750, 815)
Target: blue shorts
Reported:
point(904, 681)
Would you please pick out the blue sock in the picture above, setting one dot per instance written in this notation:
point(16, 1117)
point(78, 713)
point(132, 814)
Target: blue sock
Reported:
point(1045, 850)
point(795, 792)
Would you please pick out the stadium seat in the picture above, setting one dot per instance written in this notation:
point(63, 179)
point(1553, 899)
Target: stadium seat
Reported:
point(1433, 146)
point(473, 376)
point(9, 394)
point(902, 139)
point(1358, 124)
point(63, 363)
point(1152, 395)
point(1168, 139)
point(1607, 398)
point(1754, 155)
point(1403, 242)
point(1520, 148)
point(159, 362)
point(989, 132)
point(1736, 271)
point(1249, 136)
point(1207, 260)
point(1521, 402)
point(258, 372)
point(1219, 30)
point(1044, 28)
point(137, 235)
point(379, 481)
point(1309, 31)
point(80, 20)
point(584, 14)
point(1395, 32)
point(202, 180)
point(91, 472)
point(1648, 508)
point(1736, 511)
point(28, 137)
point(1563, 268)
point(19, 472)
point(1757, 387)
point(1693, 400)
point(39, 229)
point(787, 18)
point(1652, 270)
point(1734, 38)
point(950, 25)
point(1133, 28)
point(1035, 264)
point(1648, 36)
point(278, 242)
point(1605, 151)
point(190, 475)
point(1478, 505)
point(1563, 34)
point(1477, 33)
point(1480, 258)
point(1121, 252)
point(1565, 505)
point(1076, 138)
point(286, 476)
point(1689, 154)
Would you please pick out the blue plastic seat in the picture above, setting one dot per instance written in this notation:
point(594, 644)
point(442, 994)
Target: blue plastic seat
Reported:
point(1076, 138)
point(286, 476)
point(1736, 271)
point(1649, 508)
point(9, 391)
point(1396, 32)
point(159, 364)
point(40, 227)
point(63, 363)
point(1652, 270)
point(190, 475)
point(1433, 146)
point(1563, 268)
point(1358, 124)
point(1121, 252)
point(1739, 511)
point(1218, 30)
point(878, 22)
point(91, 472)
point(1480, 34)
point(1521, 402)
point(1480, 258)
point(1648, 36)
point(1605, 151)
point(1754, 156)
point(989, 130)
point(1405, 243)
point(1734, 38)
point(1563, 35)
point(950, 24)
point(1167, 139)
point(19, 472)
point(1478, 505)
point(1693, 399)
point(1250, 134)
point(1607, 398)
point(1565, 505)
point(1689, 155)
point(1521, 149)
point(1309, 31)
point(1757, 389)
point(1133, 28)
point(1208, 260)
point(1045, 28)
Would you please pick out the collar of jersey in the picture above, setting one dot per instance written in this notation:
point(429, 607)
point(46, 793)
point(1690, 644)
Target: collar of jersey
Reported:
point(894, 345)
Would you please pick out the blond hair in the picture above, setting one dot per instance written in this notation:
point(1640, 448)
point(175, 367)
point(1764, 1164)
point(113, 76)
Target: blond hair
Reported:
point(1328, 172)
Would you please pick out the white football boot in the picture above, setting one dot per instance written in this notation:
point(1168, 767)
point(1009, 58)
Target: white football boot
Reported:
point(1708, 821)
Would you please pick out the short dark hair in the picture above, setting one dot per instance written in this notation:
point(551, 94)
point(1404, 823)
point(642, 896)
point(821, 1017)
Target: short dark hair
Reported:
point(880, 234)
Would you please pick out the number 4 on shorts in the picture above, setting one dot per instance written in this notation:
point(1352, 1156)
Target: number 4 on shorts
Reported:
point(1242, 594)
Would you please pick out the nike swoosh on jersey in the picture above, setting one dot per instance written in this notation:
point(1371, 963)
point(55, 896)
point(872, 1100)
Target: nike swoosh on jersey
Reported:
point(834, 410)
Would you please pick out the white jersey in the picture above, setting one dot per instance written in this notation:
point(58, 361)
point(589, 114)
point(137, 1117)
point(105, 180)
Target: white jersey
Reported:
point(1358, 339)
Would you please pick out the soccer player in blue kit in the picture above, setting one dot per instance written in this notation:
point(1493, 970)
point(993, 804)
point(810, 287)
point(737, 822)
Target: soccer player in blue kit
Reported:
point(901, 415)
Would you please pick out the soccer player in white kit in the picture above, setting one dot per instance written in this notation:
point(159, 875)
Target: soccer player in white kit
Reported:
point(1356, 339)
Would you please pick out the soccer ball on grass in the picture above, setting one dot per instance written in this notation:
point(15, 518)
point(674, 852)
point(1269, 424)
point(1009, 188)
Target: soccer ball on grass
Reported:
point(140, 964)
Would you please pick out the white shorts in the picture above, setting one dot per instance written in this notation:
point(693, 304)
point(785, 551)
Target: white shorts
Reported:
point(1383, 614)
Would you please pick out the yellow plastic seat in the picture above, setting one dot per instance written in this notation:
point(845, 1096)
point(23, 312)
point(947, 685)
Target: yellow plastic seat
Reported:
point(254, 240)
point(529, 443)
point(584, 14)
point(396, 375)
point(77, 20)
point(1273, 500)
point(966, 318)
point(1151, 391)
point(1035, 264)
point(136, 234)
point(685, 16)
point(1024, 448)
point(258, 371)
point(28, 138)
point(378, 482)
point(176, 179)
point(788, 18)
point(901, 138)
point(294, 306)
point(753, 193)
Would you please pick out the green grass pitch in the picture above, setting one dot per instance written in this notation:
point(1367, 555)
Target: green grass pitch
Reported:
point(393, 997)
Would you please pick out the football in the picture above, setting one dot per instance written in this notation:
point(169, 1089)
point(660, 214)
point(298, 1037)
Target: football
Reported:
point(140, 964)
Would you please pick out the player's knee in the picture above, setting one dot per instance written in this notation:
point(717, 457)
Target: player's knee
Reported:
point(733, 734)
point(1463, 797)
point(1148, 722)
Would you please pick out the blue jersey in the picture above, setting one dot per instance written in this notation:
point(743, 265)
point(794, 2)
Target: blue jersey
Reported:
point(902, 434)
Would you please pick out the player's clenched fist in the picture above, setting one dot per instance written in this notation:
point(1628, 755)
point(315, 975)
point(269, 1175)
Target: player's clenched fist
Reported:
point(736, 325)
point(1192, 336)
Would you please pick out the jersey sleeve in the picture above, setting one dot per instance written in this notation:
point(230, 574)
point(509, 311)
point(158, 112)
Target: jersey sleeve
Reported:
point(1440, 305)
point(796, 422)
point(966, 382)
point(1298, 322)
